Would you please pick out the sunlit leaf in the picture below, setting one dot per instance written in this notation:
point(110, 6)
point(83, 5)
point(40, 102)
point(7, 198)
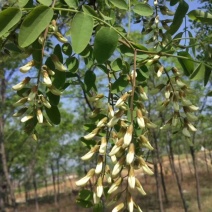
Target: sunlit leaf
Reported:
point(72, 3)
point(207, 75)
point(45, 2)
point(81, 31)
point(180, 13)
point(72, 64)
point(67, 49)
point(143, 9)
point(34, 23)
point(187, 64)
point(198, 73)
point(22, 3)
point(120, 84)
point(121, 4)
point(90, 79)
point(105, 44)
point(200, 16)
point(9, 18)
point(90, 11)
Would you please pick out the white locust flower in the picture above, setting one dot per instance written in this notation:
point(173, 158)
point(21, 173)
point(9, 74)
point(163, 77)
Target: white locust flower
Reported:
point(118, 167)
point(60, 37)
point(130, 203)
point(115, 185)
point(99, 165)
point(103, 146)
point(58, 65)
point(44, 101)
point(55, 91)
point(122, 100)
point(131, 154)
point(39, 116)
point(33, 93)
point(131, 178)
point(92, 134)
point(102, 122)
point(140, 119)
point(139, 187)
point(85, 179)
point(128, 136)
point(46, 80)
point(99, 188)
point(21, 84)
point(26, 118)
point(116, 147)
point(27, 67)
point(118, 207)
point(92, 151)
point(115, 118)
point(191, 127)
point(145, 142)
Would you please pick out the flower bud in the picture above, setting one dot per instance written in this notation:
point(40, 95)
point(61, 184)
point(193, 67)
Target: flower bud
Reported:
point(99, 165)
point(92, 134)
point(160, 71)
point(115, 185)
point(85, 179)
point(60, 37)
point(131, 178)
point(39, 116)
point(139, 187)
point(186, 132)
point(99, 188)
point(140, 119)
point(191, 117)
point(130, 203)
point(20, 85)
point(118, 167)
point(26, 118)
point(131, 154)
point(145, 142)
point(58, 65)
point(88, 155)
point(115, 118)
point(116, 147)
point(55, 91)
point(44, 101)
point(103, 146)
point(102, 122)
point(96, 199)
point(118, 207)
point(33, 93)
point(27, 67)
point(142, 93)
point(110, 111)
point(20, 112)
point(46, 80)
point(128, 136)
point(21, 101)
point(95, 112)
point(122, 100)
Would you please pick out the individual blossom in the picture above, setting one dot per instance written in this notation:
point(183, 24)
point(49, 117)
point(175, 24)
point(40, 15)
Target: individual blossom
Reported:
point(39, 116)
point(96, 98)
point(130, 203)
point(139, 187)
point(44, 101)
point(21, 84)
point(27, 67)
point(85, 179)
point(122, 100)
point(116, 147)
point(142, 93)
point(55, 91)
point(150, 125)
point(131, 154)
point(110, 111)
point(92, 134)
point(160, 71)
point(115, 185)
point(60, 37)
point(102, 122)
point(180, 83)
point(168, 91)
point(175, 103)
point(191, 117)
point(33, 93)
point(20, 112)
point(193, 108)
point(128, 136)
point(103, 146)
point(118, 207)
point(46, 80)
point(175, 71)
point(26, 118)
point(191, 127)
point(99, 187)
point(146, 169)
point(186, 102)
point(58, 65)
point(186, 132)
point(96, 199)
point(140, 119)
point(21, 101)
point(95, 112)
point(92, 151)
point(113, 158)
point(118, 166)
point(131, 178)
point(99, 165)
point(115, 118)
point(145, 142)
point(108, 174)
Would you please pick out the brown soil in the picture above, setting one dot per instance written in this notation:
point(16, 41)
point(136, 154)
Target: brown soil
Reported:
point(148, 203)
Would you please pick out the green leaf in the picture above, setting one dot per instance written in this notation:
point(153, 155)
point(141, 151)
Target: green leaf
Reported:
point(67, 49)
point(90, 11)
point(143, 9)
point(9, 18)
point(87, 195)
point(37, 53)
point(89, 80)
point(198, 73)
point(207, 75)
point(53, 114)
point(180, 13)
point(209, 93)
point(117, 65)
point(121, 4)
point(192, 42)
point(72, 64)
point(173, 2)
point(120, 84)
point(33, 25)
point(53, 99)
point(72, 3)
point(45, 2)
point(187, 65)
point(83, 203)
point(200, 16)
point(105, 44)
point(81, 31)
point(58, 52)
point(59, 79)
point(22, 3)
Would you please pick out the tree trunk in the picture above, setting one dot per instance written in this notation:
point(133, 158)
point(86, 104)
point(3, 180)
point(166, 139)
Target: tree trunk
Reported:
point(36, 192)
point(176, 175)
point(54, 185)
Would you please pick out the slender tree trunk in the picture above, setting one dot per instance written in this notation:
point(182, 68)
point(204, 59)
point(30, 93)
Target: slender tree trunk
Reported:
point(36, 192)
point(188, 164)
point(176, 175)
point(58, 181)
point(196, 177)
point(180, 167)
point(2, 146)
point(54, 185)
point(206, 161)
